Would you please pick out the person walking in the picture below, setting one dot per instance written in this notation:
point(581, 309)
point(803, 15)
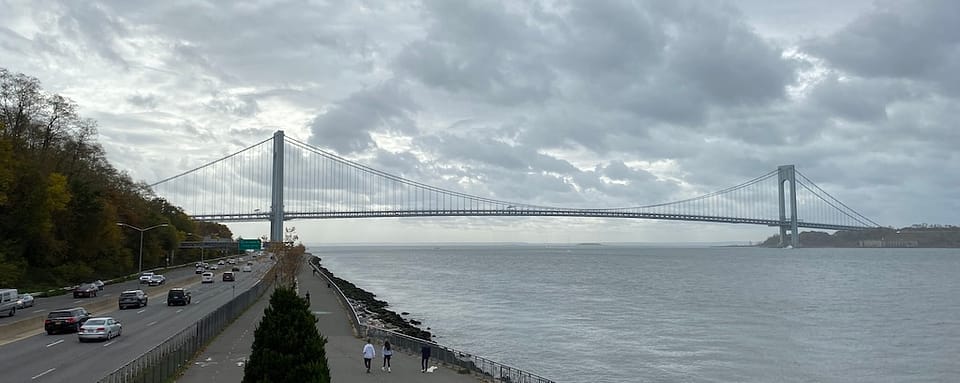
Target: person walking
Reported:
point(387, 353)
point(368, 354)
point(424, 357)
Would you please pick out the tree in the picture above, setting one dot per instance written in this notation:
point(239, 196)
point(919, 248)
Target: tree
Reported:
point(287, 346)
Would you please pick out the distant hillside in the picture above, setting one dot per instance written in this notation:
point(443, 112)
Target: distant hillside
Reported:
point(922, 235)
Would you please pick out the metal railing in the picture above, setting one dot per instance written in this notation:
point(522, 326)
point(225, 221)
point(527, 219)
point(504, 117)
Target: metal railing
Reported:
point(477, 364)
point(162, 362)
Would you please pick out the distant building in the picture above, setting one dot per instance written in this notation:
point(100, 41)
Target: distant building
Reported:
point(884, 243)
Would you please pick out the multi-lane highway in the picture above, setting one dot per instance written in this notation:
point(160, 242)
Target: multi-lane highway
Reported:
point(62, 358)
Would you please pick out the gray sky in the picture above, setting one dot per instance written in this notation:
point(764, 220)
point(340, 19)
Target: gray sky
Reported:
point(671, 98)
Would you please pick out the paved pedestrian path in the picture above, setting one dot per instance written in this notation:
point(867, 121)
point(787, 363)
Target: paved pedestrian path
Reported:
point(222, 361)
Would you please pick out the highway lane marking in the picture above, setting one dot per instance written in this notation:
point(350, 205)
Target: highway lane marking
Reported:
point(38, 311)
point(55, 343)
point(151, 323)
point(108, 343)
point(179, 311)
point(77, 301)
point(141, 311)
point(43, 373)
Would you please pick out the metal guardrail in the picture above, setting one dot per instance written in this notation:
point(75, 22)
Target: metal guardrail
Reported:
point(486, 367)
point(162, 362)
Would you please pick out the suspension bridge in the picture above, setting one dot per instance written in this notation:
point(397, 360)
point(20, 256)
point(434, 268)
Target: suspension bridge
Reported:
point(300, 181)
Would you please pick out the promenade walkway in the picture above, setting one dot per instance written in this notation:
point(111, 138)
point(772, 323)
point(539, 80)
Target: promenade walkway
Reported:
point(222, 361)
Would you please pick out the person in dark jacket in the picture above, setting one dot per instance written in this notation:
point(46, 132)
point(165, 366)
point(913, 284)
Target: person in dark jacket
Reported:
point(424, 357)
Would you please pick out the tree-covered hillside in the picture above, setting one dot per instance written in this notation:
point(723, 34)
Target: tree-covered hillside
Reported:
point(60, 200)
point(921, 235)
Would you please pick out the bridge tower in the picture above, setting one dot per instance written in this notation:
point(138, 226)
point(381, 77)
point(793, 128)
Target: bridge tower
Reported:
point(276, 207)
point(787, 174)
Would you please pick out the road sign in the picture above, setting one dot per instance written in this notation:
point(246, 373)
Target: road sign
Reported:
point(249, 244)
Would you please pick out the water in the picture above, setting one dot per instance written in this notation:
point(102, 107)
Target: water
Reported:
point(636, 314)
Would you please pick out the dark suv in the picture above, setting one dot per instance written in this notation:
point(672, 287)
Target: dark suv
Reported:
point(65, 320)
point(134, 298)
point(178, 296)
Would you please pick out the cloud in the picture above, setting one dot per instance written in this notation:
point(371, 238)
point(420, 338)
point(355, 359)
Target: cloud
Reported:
point(346, 126)
point(919, 42)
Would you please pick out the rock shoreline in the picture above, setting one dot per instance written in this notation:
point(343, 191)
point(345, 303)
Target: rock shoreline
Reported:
point(372, 310)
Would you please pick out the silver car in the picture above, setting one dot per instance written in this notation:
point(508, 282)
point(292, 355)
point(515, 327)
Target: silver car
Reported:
point(100, 328)
point(25, 300)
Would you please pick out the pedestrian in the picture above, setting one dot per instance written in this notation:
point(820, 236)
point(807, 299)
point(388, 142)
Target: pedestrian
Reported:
point(308, 297)
point(387, 353)
point(424, 357)
point(368, 354)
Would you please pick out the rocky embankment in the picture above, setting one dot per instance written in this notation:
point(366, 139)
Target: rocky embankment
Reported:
point(374, 310)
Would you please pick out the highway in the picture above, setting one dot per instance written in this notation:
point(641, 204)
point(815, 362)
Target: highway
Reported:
point(45, 305)
point(62, 358)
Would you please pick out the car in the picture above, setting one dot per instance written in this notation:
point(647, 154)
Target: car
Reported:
point(228, 276)
point(100, 328)
point(247, 268)
point(156, 280)
point(199, 270)
point(145, 277)
point(220, 263)
point(235, 268)
point(232, 261)
point(86, 290)
point(135, 298)
point(24, 300)
point(178, 296)
point(206, 277)
point(65, 320)
point(8, 301)
point(99, 284)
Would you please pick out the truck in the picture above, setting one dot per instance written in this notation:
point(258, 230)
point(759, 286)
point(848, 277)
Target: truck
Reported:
point(8, 301)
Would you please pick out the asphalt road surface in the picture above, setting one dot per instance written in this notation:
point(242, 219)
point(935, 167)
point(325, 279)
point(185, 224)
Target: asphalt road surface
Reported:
point(62, 358)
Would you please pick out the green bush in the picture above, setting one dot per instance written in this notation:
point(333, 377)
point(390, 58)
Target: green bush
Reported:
point(287, 346)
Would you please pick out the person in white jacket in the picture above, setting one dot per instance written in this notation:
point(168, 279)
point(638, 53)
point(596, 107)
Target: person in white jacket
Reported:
point(368, 354)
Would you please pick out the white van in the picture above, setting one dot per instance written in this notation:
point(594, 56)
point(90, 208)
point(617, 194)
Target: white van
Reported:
point(8, 301)
point(206, 277)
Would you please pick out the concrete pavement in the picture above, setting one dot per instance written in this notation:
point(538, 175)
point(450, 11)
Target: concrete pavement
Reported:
point(223, 359)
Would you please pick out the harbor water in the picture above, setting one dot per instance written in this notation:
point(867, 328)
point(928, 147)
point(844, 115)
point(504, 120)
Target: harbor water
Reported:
point(624, 313)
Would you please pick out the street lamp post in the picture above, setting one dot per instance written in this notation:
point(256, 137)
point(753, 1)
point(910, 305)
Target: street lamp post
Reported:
point(140, 268)
point(202, 245)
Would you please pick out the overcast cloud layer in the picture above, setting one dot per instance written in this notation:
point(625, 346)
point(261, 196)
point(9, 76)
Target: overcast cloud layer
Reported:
point(542, 101)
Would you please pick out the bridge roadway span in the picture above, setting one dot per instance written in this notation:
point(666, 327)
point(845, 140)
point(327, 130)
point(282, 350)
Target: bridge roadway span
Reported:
point(61, 357)
point(221, 360)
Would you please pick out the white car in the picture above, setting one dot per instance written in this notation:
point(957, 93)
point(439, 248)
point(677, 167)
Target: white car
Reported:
point(247, 268)
point(145, 277)
point(102, 328)
point(213, 267)
point(25, 300)
point(206, 277)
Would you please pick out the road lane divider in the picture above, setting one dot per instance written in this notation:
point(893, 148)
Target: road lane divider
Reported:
point(55, 343)
point(42, 374)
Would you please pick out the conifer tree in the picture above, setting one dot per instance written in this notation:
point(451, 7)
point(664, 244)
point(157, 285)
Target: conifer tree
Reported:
point(287, 346)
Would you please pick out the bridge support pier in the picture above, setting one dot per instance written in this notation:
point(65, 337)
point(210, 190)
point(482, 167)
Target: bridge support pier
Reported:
point(276, 207)
point(787, 174)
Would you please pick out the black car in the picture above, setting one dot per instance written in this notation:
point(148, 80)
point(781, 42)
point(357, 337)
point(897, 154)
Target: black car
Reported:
point(65, 320)
point(133, 298)
point(85, 290)
point(178, 296)
point(228, 276)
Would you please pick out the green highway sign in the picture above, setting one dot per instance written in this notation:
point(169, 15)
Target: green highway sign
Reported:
point(249, 244)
